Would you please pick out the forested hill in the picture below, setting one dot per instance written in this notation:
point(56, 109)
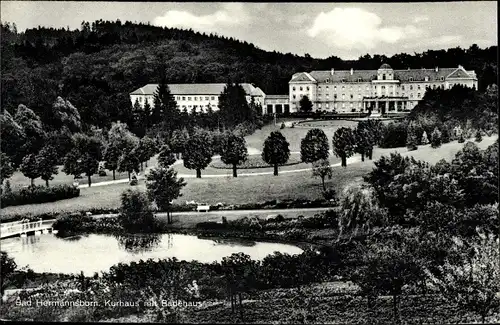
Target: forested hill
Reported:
point(96, 66)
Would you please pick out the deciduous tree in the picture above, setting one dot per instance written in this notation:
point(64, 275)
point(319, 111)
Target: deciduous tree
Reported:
point(129, 162)
point(47, 160)
point(166, 157)
point(163, 187)
point(276, 150)
point(29, 167)
point(136, 213)
point(233, 150)
point(322, 169)
point(198, 151)
point(314, 146)
point(343, 144)
point(6, 169)
point(111, 157)
point(436, 138)
point(85, 156)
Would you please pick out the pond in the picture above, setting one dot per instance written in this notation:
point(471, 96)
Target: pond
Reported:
point(95, 252)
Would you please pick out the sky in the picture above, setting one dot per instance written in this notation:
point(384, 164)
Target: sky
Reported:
point(345, 30)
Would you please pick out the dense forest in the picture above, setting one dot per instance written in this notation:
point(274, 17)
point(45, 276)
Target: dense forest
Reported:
point(96, 66)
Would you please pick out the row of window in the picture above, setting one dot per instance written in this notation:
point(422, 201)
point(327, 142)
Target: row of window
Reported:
point(351, 96)
point(195, 97)
point(419, 87)
point(196, 106)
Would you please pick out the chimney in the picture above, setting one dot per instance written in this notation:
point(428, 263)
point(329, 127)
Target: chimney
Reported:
point(332, 71)
point(437, 69)
point(352, 71)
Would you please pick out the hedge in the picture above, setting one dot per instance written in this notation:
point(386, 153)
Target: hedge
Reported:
point(39, 194)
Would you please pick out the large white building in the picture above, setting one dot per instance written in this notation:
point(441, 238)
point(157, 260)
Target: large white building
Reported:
point(384, 90)
point(196, 97)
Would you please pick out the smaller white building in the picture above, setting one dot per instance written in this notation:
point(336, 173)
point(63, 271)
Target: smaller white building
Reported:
point(195, 97)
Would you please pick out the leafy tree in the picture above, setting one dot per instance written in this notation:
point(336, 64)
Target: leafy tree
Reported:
point(363, 142)
point(198, 151)
point(136, 213)
point(129, 162)
point(276, 150)
point(322, 169)
point(361, 211)
point(305, 104)
point(178, 141)
point(145, 149)
point(163, 187)
point(436, 138)
point(121, 137)
point(33, 128)
point(12, 138)
point(473, 282)
point(8, 267)
point(112, 156)
point(479, 136)
point(85, 156)
point(29, 167)
point(424, 139)
point(314, 146)
point(47, 159)
point(388, 266)
point(376, 129)
point(343, 144)
point(411, 138)
point(65, 115)
point(166, 157)
point(233, 150)
point(6, 169)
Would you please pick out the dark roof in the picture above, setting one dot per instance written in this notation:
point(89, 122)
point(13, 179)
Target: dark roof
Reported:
point(403, 75)
point(301, 76)
point(385, 66)
point(195, 89)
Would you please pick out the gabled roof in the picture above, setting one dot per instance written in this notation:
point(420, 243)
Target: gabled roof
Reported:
point(368, 75)
point(302, 76)
point(196, 89)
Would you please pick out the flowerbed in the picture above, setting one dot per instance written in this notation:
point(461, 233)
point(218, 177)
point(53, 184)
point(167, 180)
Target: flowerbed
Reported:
point(255, 162)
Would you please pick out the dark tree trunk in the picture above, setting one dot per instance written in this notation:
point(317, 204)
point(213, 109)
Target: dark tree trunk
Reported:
point(198, 173)
point(47, 182)
point(363, 157)
point(235, 174)
point(142, 166)
point(129, 176)
point(146, 164)
point(90, 180)
point(370, 153)
point(344, 161)
point(395, 306)
point(241, 306)
point(32, 182)
point(114, 178)
point(323, 183)
point(275, 169)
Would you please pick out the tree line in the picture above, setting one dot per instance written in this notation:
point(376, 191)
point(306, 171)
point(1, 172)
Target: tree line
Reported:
point(97, 66)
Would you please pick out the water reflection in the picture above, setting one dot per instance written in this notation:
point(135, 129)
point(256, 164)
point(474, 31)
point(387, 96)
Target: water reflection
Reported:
point(140, 243)
point(95, 253)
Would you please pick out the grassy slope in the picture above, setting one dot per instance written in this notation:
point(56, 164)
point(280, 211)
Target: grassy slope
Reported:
point(245, 189)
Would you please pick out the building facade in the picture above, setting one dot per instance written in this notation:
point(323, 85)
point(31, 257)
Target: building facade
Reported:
point(378, 91)
point(197, 97)
point(278, 104)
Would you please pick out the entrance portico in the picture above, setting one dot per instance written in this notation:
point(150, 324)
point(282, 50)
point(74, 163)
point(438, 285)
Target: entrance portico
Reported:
point(385, 104)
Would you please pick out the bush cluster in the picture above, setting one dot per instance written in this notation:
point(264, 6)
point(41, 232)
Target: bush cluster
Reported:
point(39, 194)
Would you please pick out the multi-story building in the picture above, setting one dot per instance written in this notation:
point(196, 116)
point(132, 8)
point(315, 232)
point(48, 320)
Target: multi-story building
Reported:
point(196, 97)
point(379, 91)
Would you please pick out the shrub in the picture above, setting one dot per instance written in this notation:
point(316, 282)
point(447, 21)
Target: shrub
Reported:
point(39, 194)
point(136, 213)
point(394, 135)
point(436, 138)
point(102, 172)
point(330, 194)
point(282, 126)
point(461, 138)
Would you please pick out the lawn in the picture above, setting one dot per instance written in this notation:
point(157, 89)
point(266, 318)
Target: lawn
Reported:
point(245, 189)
